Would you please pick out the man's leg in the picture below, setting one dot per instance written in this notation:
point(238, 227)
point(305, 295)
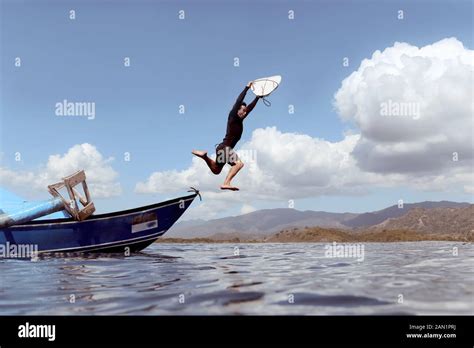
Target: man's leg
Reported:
point(232, 172)
point(213, 166)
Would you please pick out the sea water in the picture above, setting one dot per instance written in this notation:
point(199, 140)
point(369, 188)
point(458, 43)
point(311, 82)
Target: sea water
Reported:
point(202, 279)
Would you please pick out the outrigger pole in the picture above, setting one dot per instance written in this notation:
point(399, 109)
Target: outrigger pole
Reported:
point(35, 210)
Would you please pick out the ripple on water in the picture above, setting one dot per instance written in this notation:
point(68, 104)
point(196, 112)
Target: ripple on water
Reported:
point(311, 299)
point(294, 252)
point(317, 267)
point(339, 264)
point(233, 257)
point(226, 297)
point(241, 285)
point(236, 272)
point(157, 285)
point(203, 268)
point(402, 283)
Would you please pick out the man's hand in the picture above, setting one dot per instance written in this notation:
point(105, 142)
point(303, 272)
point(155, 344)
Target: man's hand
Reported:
point(250, 84)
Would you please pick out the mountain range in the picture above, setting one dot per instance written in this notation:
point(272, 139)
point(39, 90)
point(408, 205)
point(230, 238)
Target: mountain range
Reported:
point(262, 223)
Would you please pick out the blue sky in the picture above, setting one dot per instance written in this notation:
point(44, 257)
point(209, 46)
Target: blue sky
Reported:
point(190, 62)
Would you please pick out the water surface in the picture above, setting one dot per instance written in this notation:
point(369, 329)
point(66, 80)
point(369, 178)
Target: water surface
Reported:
point(200, 279)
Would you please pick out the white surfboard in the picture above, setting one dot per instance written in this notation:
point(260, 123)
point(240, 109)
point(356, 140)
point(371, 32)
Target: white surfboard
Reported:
point(264, 86)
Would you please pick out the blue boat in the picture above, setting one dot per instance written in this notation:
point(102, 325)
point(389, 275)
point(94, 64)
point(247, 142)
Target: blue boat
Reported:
point(122, 231)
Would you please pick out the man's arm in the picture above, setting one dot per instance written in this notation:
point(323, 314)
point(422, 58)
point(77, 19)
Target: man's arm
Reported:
point(241, 98)
point(252, 105)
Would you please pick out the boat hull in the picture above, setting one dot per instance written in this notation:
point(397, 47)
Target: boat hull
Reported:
point(124, 231)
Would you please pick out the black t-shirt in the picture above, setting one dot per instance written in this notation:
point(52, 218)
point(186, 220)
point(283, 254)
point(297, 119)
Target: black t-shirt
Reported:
point(235, 128)
point(235, 125)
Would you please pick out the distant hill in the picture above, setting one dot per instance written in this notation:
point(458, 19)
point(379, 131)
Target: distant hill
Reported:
point(377, 217)
point(452, 221)
point(258, 223)
point(263, 223)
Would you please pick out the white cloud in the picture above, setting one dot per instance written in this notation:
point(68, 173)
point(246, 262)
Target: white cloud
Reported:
point(213, 205)
point(247, 208)
point(170, 181)
point(437, 79)
point(101, 177)
point(278, 166)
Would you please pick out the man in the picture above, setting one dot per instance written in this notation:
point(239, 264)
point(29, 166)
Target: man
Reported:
point(225, 151)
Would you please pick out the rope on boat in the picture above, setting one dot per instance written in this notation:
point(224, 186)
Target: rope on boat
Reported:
point(196, 191)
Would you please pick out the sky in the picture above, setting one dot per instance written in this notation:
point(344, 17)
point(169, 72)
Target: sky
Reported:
point(339, 61)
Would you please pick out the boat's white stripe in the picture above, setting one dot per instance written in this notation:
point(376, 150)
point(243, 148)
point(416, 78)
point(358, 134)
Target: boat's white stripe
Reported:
point(104, 218)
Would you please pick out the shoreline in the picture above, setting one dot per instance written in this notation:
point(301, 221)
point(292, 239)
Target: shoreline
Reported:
point(323, 235)
point(232, 241)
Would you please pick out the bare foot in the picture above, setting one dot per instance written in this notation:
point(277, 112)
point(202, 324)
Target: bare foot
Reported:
point(229, 187)
point(198, 153)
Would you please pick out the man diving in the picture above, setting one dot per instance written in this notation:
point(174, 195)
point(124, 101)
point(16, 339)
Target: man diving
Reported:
point(225, 151)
